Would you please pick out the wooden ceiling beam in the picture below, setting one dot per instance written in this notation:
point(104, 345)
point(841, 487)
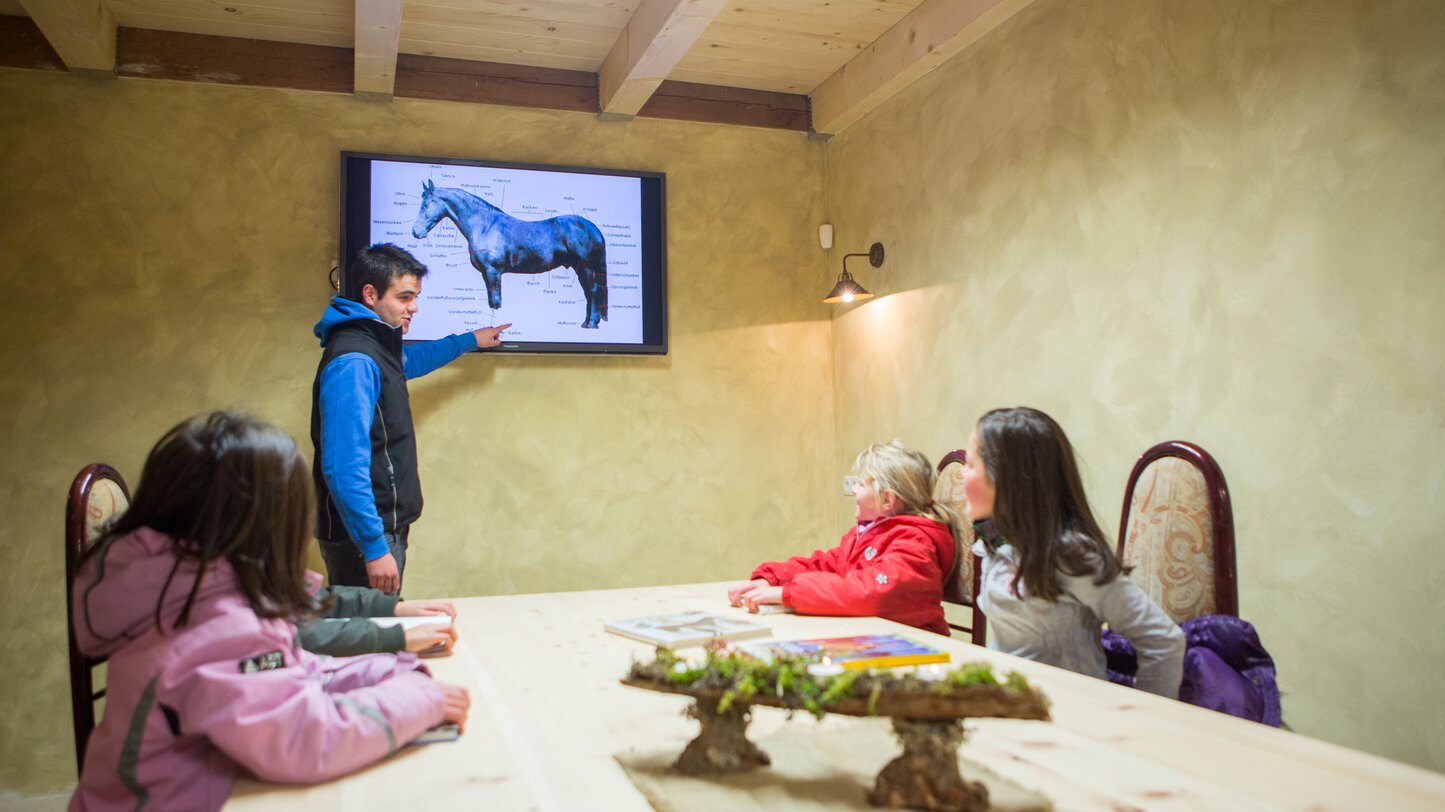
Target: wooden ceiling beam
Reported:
point(920, 42)
point(657, 37)
point(81, 31)
point(378, 34)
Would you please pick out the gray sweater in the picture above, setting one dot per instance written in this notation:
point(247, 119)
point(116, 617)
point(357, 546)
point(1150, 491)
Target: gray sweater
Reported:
point(1065, 633)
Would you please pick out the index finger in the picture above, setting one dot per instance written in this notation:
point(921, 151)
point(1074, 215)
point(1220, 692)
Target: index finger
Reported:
point(503, 327)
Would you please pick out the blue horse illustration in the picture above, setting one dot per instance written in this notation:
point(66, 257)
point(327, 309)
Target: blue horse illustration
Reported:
point(500, 243)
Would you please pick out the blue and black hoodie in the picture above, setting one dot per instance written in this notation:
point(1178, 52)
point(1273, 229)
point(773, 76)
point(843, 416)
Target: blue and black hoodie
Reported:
point(365, 465)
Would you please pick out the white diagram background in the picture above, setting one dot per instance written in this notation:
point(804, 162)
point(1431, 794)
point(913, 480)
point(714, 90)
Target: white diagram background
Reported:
point(545, 307)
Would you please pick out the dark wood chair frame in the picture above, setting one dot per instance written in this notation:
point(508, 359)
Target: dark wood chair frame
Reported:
point(82, 685)
point(1221, 515)
point(978, 632)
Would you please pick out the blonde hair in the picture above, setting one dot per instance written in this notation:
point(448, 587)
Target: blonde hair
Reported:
point(910, 477)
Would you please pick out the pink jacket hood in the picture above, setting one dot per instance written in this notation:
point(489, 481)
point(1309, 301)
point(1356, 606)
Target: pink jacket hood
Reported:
point(114, 591)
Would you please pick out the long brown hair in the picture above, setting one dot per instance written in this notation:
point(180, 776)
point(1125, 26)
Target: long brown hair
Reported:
point(228, 486)
point(1039, 502)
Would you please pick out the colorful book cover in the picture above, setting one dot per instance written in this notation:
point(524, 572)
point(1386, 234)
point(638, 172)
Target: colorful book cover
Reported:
point(686, 629)
point(864, 651)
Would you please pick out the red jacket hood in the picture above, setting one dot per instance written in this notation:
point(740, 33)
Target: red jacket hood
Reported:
point(936, 531)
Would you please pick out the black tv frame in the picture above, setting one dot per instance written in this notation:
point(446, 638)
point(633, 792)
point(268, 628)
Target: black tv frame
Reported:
point(356, 234)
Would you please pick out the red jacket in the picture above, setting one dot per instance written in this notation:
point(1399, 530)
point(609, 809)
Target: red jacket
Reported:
point(894, 570)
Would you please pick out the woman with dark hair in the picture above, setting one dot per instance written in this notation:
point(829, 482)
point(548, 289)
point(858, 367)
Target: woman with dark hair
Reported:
point(1049, 579)
point(194, 594)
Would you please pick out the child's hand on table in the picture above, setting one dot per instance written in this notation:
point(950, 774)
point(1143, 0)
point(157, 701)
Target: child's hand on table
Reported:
point(431, 639)
point(457, 703)
point(422, 608)
point(762, 596)
point(735, 592)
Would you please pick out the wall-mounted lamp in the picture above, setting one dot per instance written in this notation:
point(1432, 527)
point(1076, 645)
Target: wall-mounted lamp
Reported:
point(847, 289)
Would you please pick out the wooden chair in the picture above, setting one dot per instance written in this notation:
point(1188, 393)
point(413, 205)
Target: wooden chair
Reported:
point(1177, 531)
point(961, 586)
point(97, 495)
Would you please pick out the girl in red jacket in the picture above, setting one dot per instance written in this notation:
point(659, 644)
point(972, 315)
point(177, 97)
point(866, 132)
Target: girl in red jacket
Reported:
point(892, 565)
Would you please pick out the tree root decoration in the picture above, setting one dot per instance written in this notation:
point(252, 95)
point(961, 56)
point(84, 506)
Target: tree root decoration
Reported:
point(926, 714)
point(926, 776)
point(722, 746)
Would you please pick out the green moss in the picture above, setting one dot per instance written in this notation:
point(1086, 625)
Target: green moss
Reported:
point(973, 674)
point(739, 678)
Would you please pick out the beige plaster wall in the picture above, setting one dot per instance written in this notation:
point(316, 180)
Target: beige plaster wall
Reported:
point(1218, 221)
point(166, 248)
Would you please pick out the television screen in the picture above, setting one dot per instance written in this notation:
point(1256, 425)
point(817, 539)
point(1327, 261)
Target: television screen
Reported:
point(572, 258)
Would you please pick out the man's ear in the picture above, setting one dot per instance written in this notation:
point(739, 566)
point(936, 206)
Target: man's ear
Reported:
point(368, 295)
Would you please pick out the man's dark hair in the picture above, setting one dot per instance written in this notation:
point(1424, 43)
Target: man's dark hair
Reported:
point(378, 265)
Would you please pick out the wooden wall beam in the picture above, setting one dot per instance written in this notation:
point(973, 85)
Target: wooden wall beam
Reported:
point(920, 42)
point(728, 105)
point(233, 61)
point(378, 35)
point(465, 80)
point(656, 38)
point(146, 53)
point(81, 31)
point(22, 45)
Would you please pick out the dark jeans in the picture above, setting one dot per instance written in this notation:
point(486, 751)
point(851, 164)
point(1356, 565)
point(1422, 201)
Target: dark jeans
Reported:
point(346, 567)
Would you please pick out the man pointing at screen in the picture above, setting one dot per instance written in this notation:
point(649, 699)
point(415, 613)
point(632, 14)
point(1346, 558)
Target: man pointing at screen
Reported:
point(367, 485)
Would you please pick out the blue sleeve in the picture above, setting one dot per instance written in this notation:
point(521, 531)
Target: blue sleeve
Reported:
point(419, 359)
point(350, 387)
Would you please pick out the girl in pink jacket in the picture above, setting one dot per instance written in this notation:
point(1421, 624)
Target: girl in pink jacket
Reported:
point(193, 595)
point(892, 565)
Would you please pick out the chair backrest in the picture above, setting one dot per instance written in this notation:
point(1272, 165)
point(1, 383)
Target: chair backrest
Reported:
point(960, 586)
point(1177, 531)
point(97, 495)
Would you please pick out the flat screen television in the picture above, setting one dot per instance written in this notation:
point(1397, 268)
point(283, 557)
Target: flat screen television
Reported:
point(574, 258)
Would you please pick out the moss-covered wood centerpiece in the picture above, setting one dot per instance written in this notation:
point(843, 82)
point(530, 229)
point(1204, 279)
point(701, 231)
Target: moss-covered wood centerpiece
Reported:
point(927, 714)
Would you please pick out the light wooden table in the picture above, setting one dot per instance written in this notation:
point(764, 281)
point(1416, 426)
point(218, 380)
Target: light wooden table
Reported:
point(548, 715)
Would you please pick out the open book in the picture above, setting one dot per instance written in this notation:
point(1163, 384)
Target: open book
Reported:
point(412, 622)
point(686, 628)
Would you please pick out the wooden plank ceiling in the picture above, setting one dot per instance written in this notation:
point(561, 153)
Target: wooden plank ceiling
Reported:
point(814, 65)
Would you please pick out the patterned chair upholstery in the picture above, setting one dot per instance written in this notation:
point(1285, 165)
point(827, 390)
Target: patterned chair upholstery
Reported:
point(1177, 531)
point(97, 495)
point(963, 585)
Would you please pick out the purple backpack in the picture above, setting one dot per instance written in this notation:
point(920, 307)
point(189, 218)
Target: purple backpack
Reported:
point(1225, 668)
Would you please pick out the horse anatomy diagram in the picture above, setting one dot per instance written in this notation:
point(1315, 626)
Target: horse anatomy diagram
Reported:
point(554, 253)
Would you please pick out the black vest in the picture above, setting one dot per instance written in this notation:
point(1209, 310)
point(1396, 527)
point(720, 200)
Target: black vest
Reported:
point(395, 483)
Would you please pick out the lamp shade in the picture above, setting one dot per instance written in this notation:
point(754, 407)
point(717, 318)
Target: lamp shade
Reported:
point(847, 290)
